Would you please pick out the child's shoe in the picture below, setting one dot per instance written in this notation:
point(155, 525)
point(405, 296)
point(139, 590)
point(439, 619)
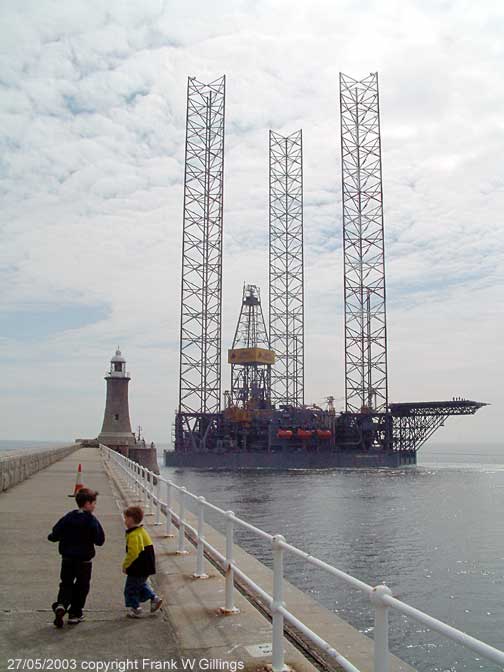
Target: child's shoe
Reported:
point(59, 612)
point(74, 620)
point(134, 612)
point(155, 603)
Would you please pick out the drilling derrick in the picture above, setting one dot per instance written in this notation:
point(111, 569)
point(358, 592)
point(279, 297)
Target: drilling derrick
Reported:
point(286, 267)
point(366, 385)
point(251, 357)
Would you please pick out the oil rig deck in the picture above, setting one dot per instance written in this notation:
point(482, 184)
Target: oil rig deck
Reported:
point(310, 437)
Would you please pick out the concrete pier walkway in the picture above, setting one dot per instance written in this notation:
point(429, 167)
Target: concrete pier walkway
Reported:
point(30, 575)
point(187, 628)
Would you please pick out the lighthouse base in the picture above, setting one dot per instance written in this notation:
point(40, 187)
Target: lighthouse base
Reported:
point(139, 452)
point(147, 457)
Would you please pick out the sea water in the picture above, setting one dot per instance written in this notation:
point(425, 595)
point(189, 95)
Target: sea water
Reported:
point(434, 533)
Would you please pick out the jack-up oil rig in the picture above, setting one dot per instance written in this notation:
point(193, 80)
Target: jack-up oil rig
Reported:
point(265, 421)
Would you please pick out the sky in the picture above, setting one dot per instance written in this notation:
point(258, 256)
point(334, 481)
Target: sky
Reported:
point(92, 131)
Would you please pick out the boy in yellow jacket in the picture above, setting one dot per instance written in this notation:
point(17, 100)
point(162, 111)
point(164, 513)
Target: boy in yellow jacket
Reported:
point(138, 565)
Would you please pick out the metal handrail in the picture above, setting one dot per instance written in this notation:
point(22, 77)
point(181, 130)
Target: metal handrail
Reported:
point(142, 481)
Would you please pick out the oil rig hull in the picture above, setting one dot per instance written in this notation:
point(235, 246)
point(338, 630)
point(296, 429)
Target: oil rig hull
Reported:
point(344, 459)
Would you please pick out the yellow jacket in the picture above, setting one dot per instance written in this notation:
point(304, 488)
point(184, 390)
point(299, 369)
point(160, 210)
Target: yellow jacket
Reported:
point(140, 559)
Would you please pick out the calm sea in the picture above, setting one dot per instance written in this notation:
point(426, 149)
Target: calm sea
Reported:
point(434, 533)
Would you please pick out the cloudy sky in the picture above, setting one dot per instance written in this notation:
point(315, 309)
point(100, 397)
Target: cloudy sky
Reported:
point(92, 122)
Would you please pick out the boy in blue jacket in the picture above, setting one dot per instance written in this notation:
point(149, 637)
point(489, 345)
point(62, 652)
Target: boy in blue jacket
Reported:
point(77, 533)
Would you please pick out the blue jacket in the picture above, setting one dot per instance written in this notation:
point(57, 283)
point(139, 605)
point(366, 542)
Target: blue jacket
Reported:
point(78, 533)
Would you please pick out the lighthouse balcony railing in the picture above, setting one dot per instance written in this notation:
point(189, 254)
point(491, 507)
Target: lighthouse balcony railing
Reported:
point(150, 487)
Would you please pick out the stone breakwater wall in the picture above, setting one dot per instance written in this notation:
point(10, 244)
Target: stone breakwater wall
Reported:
point(20, 466)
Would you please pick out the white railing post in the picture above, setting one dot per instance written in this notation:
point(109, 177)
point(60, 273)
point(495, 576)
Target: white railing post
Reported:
point(144, 488)
point(181, 530)
point(168, 531)
point(150, 490)
point(158, 501)
point(277, 660)
point(137, 481)
point(229, 607)
point(381, 638)
point(200, 550)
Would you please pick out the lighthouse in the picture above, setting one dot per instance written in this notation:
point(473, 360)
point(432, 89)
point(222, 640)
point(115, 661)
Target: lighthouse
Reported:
point(116, 430)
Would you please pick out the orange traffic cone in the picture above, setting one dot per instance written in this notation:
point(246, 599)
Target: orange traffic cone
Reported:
point(78, 482)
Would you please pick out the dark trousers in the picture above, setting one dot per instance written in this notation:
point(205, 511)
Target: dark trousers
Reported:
point(74, 586)
point(136, 590)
